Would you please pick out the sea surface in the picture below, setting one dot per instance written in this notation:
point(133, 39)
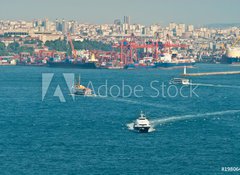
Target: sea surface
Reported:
point(198, 134)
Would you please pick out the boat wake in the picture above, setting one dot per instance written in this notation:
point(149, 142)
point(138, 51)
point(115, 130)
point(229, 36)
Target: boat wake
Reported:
point(138, 102)
point(161, 121)
point(215, 85)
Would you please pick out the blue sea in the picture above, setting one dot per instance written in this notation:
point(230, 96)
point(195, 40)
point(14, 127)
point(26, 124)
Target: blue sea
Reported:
point(193, 134)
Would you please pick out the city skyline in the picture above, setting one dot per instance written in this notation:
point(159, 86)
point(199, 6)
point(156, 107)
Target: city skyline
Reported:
point(156, 11)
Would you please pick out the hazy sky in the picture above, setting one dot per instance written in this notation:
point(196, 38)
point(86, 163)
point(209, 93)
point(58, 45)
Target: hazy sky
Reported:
point(141, 11)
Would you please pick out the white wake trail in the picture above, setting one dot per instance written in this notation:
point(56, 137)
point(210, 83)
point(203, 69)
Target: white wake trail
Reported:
point(215, 85)
point(186, 117)
point(124, 100)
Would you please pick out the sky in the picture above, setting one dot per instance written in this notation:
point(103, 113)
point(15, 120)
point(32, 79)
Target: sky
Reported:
point(197, 12)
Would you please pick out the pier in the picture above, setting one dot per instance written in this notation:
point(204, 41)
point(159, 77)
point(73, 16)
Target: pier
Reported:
point(209, 73)
point(212, 73)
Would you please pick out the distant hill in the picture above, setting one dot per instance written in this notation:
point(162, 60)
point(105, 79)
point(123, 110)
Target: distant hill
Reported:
point(222, 25)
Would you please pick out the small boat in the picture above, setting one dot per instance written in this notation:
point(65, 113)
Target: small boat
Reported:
point(182, 81)
point(79, 89)
point(142, 124)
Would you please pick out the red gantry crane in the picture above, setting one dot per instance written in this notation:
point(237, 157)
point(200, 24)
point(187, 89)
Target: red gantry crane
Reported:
point(128, 48)
point(129, 45)
point(74, 52)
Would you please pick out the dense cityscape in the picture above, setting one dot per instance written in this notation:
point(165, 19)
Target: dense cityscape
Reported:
point(39, 38)
point(119, 87)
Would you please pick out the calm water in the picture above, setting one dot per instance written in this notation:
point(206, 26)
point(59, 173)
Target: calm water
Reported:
point(197, 135)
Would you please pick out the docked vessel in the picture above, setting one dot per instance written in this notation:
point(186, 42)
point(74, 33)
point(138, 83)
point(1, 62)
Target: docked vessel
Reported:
point(232, 56)
point(146, 62)
point(138, 66)
point(142, 124)
point(79, 89)
point(182, 81)
point(75, 61)
point(112, 65)
point(168, 61)
point(72, 64)
point(130, 66)
point(173, 64)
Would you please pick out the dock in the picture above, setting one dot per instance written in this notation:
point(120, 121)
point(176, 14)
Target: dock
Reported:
point(211, 73)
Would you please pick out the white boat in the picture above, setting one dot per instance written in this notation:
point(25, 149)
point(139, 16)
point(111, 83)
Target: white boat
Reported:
point(182, 81)
point(142, 124)
point(79, 89)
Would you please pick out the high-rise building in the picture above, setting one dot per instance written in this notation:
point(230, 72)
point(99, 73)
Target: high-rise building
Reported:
point(126, 20)
point(182, 27)
point(73, 27)
point(58, 25)
point(64, 27)
point(37, 23)
point(190, 28)
point(144, 31)
point(45, 24)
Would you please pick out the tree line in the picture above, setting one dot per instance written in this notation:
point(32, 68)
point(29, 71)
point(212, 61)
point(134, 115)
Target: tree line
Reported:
point(63, 45)
point(58, 45)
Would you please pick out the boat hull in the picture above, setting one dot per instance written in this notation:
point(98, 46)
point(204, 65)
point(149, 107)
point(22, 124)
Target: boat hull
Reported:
point(78, 65)
point(79, 93)
point(142, 129)
point(137, 66)
point(169, 65)
point(230, 60)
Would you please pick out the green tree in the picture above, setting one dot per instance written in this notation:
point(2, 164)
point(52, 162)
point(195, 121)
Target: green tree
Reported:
point(59, 45)
point(2, 46)
point(26, 49)
point(3, 50)
point(34, 41)
point(92, 45)
point(13, 47)
point(63, 45)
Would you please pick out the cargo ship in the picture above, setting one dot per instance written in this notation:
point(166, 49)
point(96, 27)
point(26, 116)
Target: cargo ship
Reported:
point(171, 60)
point(232, 56)
point(146, 62)
point(174, 64)
point(73, 63)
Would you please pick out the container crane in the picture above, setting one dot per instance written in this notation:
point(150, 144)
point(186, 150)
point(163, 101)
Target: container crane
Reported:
point(128, 48)
point(74, 52)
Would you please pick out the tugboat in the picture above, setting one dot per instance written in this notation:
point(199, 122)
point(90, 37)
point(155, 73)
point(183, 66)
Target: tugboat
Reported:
point(79, 89)
point(142, 124)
